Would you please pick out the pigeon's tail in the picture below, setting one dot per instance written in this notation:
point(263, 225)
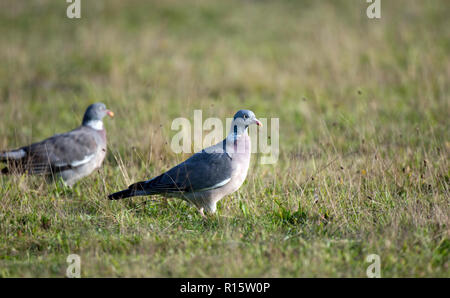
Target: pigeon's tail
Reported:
point(12, 158)
point(143, 188)
point(127, 193)
point(12, 155)
point(133, 191)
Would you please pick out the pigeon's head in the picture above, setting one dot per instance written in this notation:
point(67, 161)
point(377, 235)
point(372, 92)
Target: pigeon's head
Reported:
point(95, 113)
point(244, 118)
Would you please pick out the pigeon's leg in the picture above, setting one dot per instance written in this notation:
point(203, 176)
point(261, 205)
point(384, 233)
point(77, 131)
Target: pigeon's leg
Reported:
point(68, 183)
point(165, 203)
point(202, 213)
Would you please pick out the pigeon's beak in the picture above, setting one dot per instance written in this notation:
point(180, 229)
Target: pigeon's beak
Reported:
point(110, 113)
point(258, 123)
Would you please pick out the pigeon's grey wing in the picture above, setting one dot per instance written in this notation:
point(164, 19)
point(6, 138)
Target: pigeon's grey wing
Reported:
point(202, 171)
point(60, 152)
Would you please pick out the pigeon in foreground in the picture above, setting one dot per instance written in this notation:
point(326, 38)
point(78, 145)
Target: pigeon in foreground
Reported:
point(208, 175)
point(71, 156)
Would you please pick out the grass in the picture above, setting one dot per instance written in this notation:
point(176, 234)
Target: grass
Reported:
point(364, 136)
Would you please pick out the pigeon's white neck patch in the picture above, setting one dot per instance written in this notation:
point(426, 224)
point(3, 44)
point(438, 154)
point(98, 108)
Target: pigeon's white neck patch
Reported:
point(95, 124)
point(236, 132)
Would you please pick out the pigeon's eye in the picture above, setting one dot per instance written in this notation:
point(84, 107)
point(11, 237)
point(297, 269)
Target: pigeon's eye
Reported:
point(245, 116)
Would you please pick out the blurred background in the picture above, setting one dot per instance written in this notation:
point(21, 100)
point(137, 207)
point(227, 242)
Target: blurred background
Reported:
point(310, 63)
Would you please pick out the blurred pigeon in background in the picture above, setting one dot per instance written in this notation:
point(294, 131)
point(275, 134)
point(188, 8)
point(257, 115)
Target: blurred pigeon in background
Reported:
point(208, 175)
point(71, 156)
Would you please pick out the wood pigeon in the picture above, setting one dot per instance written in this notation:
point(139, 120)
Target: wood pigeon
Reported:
point(208, 175)
point(71, 155)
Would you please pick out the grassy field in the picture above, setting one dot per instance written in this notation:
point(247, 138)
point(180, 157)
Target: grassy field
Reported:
point(364, 136)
